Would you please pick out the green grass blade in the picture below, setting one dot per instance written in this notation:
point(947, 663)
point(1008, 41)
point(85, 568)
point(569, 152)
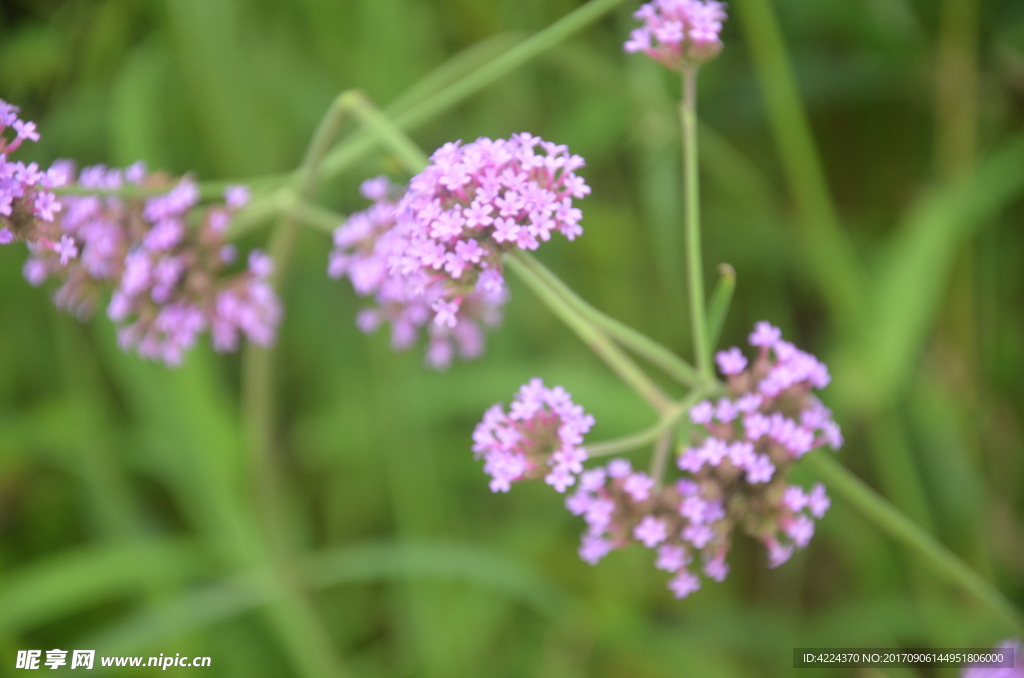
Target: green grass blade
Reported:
point(830, 254)
point(56, 587)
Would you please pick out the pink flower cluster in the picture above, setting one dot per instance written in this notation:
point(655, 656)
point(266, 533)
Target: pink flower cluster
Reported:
point(735, 475)
point(25, 192)
point(364, 245)
point(689, 523)
point(163, 258)
point(621, 506)
point(750, 439)
point(678, 33)
point(472, 203)
point(542, 434)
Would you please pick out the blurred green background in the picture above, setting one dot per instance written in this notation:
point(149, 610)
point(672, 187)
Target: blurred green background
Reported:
point(881, 231)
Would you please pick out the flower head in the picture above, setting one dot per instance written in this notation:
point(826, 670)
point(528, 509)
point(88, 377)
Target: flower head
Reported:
point(678, 33)
point(736, 474)
point(162, 258)
point(474, 202)
point(364, 245)
point(542, 435)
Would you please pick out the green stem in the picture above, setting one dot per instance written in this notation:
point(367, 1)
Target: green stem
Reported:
point(661, 450)
point(387, 131)
point(659, 356)
point(660, 458)
point(363, 142)
point(721, 298)
point(308, 640)
point(637, 440)
point(613, 356)
point(894, 523)
point(691, 191)
point(315, 216)
point(470, 84)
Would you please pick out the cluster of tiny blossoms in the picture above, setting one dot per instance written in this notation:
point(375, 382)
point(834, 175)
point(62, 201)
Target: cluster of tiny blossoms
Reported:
point(432, 255)
point(25, 194)
point(679, 33)
point(542, 435)
point(163, 260)
point(735, 475)
point(363, 246)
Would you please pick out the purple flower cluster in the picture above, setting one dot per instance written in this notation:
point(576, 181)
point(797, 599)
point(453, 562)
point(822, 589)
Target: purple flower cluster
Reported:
point(735, 475)
point(689, 523)
point(750, 439)
point(1015, 671)
point(166, 274)
point(621, 506)
point(678, 33)
point(25, 192)
point(363, 247)
point(542, 435)
point(431, 255)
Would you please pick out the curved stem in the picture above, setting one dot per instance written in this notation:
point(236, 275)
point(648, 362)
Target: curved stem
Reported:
point(639, 439)
point(894, 523)
point(612, 355)
point(659, 356)
point(691, 191)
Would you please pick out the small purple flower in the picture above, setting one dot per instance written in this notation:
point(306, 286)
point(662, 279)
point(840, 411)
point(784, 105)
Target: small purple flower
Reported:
point(593, 549)
point(650, 531)
point(684, 583)
point(671, 558)
point(765, 335)
point(66, 249)
point(731, 361)
point(702, 412)
point(818, 501)
point(638, 486)
point(236, 197)
point(678, 33)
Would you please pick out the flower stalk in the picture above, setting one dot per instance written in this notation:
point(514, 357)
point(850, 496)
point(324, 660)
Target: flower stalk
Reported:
point(691, 192)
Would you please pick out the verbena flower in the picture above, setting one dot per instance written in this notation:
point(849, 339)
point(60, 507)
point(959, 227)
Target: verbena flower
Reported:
point(678, 33)
point(25, 191)
point(541, 435)
point(1016, 671)
point(431, 257)
point(363, 246)
point(163, 258)
point(735, 473)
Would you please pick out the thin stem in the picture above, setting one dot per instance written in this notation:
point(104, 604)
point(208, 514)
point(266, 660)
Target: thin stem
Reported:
point(691, 191)
point(894, 523)
point(664, 445)
point(387, 131)
point(660, 458)
point(473, 82)
point(313, 644)
point(315, 216)
point(659, 356)
point(639, 439)
point(613, 356)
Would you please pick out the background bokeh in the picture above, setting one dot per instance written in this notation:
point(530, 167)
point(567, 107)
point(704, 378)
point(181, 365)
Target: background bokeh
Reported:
point(129, 518)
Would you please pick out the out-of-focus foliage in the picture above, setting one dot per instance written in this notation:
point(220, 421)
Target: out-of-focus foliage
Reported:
point(129, 522)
